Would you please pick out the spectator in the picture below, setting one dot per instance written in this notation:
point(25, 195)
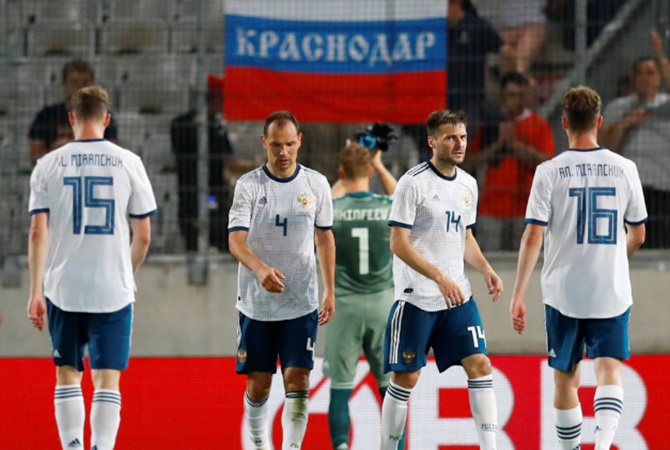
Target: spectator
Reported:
point(184, 137)
point(598, 14)
point(51, 128)
point(522, 26)
point(470, 38)
point(638, 127)
point(509, 152)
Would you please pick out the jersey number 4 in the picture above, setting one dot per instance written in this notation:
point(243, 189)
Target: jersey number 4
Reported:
point(83, 196)
point(589, 213)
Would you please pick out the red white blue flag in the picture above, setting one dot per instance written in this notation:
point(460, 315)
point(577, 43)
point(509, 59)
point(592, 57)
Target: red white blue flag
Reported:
point(336, 60)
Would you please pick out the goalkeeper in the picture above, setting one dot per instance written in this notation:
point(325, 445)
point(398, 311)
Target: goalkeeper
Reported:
point(363, 276)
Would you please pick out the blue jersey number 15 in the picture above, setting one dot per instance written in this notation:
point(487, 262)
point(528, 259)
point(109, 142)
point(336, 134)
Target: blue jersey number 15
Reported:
point(85, 198)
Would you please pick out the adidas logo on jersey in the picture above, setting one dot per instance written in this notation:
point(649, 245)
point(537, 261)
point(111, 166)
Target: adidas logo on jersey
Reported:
point(552, 353)
point(56, 353)
point(436, 198)
point(75, 443)
point(263, 201)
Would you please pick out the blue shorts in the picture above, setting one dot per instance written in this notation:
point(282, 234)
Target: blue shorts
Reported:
point(567, 338)
point(260, 343)
point(453, 334)
point(107, 335)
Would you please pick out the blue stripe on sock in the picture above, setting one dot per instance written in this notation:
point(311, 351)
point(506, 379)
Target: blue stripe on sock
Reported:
point(608, 403)
point(398, 393)
point(482, 384)
point(107, 397)
point(297, 394)
point(567, 433)
point(253, 403)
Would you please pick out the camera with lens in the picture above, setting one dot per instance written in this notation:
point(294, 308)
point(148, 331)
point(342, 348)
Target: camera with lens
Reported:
point(376, 136)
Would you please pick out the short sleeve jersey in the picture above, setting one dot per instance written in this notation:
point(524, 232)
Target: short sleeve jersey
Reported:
point(363, 260)
point(89, 188)
point(280, 215)
point(583, 198)
point(438, 210)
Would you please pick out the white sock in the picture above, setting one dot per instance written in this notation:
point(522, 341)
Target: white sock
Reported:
point(105, 418)
point(569, 427)
point(484, 410)
point(294, 419)
point(256, 413)
point(394, 415)
point(70, 415)
point(608, 406)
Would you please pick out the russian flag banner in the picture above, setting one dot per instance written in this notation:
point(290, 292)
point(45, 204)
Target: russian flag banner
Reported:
point(336, 60)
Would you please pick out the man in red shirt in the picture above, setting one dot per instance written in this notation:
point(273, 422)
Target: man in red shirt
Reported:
point(509, 153)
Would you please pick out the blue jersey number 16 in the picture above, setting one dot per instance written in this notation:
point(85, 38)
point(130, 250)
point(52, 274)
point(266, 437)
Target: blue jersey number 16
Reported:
point(588, 215)
point(85, 198)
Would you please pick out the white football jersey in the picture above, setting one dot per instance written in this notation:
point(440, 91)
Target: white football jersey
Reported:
point(279, 215)
point(438, 210)
point(583, 198)
point(89, 188)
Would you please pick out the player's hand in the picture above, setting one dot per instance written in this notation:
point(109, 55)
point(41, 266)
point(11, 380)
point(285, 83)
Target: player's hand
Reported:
point(494, 283)
point(517, 312)
point(37, 311)
point(453, 296)
point(270, 279)
point(376, 160)
point(327, 308)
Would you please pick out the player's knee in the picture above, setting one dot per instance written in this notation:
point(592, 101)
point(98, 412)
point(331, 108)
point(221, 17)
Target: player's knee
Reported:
point(566, 381)
point(296, 379)
point(406, 380)
point(67, 375)
point(608, 371)
point(477, 366)
point(258, 386)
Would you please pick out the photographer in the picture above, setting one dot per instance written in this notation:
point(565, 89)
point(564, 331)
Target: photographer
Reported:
point(376, 138)
point(509, 152)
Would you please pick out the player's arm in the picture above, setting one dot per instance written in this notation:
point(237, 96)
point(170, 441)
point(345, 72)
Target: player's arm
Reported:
point(403, 249)
point(325, 250)
point(474, 256)
point(386, 178)
point(529, 252)
point(38, 243)
point(139, 246)
point(269, 277)
point(635, 237)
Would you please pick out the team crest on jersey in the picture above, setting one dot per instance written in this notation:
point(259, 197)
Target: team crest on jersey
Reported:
point(408, 356)
point(305, 200)
point(466, 199)
point(242, 355)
